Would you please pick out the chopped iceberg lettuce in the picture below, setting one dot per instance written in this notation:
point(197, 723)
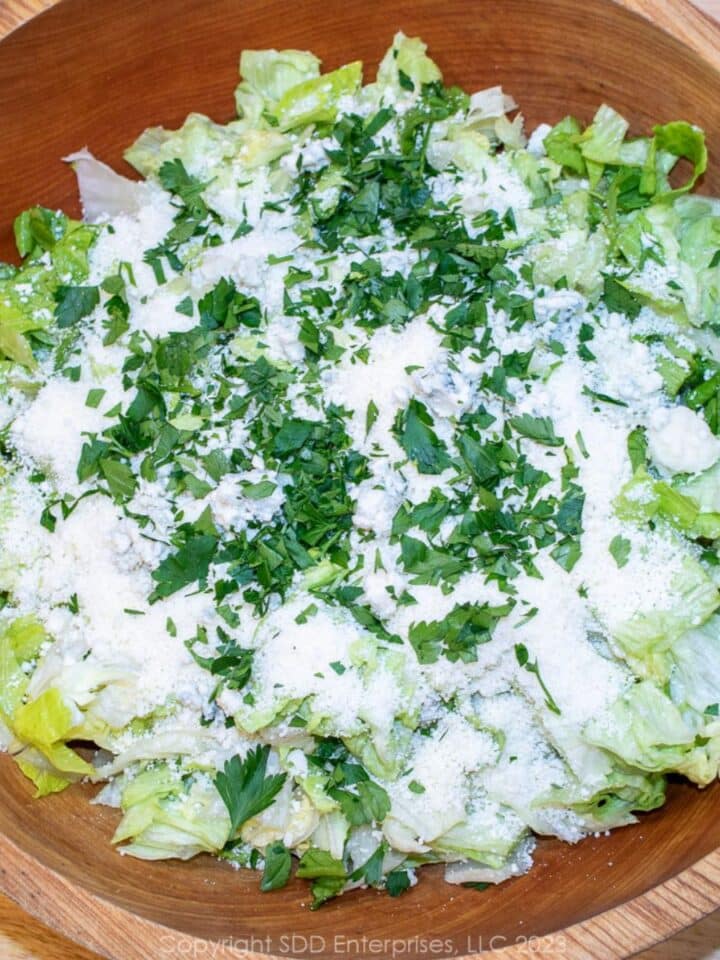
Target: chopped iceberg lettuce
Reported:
point(56, 251)
point(316, 100)
point(646, 730)
point(104, 193)
point(168, 814)
point(269, 74)
point(648, 637)
point(20, 643)
point(281, 422)
point(407, 60)
point(46, 724)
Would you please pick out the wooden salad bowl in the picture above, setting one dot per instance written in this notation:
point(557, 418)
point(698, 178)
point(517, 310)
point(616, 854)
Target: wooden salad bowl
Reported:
point(97, 72)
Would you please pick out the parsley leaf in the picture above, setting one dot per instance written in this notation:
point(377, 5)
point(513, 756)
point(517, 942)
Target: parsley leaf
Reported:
point(371, 871)
point(523, 659)
point(319, 863)
point(227, 308)
point(705, 395)
point(566, 553)
point(117, 323)
point(90, 455)
point(371, 416)
point(245, 789)
point(259, 490)
point(292, 435)
point(539, 429)
point(120, 479)
point(413, 429)
point(175, 179)
point(329, 874)
point(189, 221)
point(360, 798)
point(397, 882)
point(232, 662)
point(620, 549)
point(74, 303)
point(637, 448)
point(94, 397)
point(278, 864)
point(483, 460)
point(362, 802)
point(602, 397)
point(569, 515)
point(428, 564)
point(325, 889)
point(190, 563)
point(457, 636)
point(618, 299)
point(185, 307)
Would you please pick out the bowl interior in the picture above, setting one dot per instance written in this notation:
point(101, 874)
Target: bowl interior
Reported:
point(96, 73)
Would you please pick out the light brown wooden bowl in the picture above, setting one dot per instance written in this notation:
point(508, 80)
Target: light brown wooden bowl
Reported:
point(97, 72)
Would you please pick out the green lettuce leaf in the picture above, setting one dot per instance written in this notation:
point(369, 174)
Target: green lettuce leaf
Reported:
point(562, 145)
point(407, 60)
point(489, 835)
point(46, 723)
point(646, 730)
point(37, 769)
point(690, 505)
point(624, 792)
point(20, 642)
point(271, 73)
point(27, 295)
point(695, 675)
point(167, 814)
point(205, 147)
point(316, 100)
point(682, 140)
point(602, 140)
point(647, 638)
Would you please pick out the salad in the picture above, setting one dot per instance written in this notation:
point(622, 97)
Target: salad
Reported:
point(360, 479)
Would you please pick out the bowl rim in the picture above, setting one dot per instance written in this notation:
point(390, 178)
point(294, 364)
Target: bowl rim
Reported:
point(621, 931)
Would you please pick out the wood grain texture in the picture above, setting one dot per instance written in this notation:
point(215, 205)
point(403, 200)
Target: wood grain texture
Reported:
point(99, 72)
point(24, 938)
point(689, 23)
point(15, 12)
point(699, 942)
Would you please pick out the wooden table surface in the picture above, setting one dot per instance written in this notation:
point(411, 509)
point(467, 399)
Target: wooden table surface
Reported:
point(22, 938)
